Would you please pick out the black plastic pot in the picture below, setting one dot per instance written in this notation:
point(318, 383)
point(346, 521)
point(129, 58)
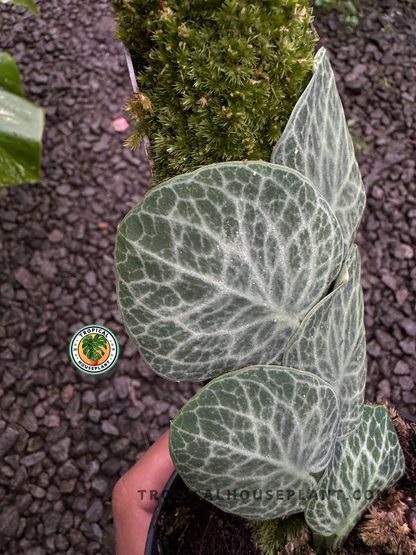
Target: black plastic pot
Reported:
point(175, 483)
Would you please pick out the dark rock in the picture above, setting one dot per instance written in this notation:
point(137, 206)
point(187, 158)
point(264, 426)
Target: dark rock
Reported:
point(121, 446)
point(59, 452)
point(7, 439)
point(68, 486)
point(109, 428)
point(38, 492)
point(94, 415)
point(61, 542)
point(67, 522)
point(29, 422)
point(91, 278)
point(99, 486)
point(401, 368)
point(34, 458)
point(94, 511)
point(9, 521)
point(68, 470)
point(160, 407)
point(80, 504)
point(403, 251)
point(106, 398)
point(135, 412)
point(43, 376)
point(110, 467)
point(408, 346)
point(406, 383)
point(121, 384)
point(25, 278)
point(409, 326)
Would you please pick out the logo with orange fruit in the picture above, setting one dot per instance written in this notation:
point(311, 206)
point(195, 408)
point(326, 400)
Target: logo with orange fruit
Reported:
point(94, 349)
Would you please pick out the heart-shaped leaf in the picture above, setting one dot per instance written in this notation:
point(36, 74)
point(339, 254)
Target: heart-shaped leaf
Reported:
point(216, 268)
point(330, 343)
point(10, 75)
point(21, 128)
point(317, 143)
point(365, 464)
point(263, 431)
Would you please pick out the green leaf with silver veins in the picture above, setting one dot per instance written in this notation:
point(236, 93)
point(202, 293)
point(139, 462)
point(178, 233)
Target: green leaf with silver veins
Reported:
point(317, 143)
point(258, 430)
point(217, 268)
point(365, 464)
point(330, 343)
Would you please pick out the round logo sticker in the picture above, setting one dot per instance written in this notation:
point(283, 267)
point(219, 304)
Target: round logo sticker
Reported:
point(94, 349)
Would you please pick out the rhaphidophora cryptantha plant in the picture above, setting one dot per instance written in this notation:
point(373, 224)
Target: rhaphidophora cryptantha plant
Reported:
point(246, 274)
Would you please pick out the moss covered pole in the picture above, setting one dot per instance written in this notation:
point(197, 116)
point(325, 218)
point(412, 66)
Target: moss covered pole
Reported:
point(217, 80)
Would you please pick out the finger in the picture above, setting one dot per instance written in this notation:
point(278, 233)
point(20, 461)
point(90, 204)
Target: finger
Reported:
point(133, 510)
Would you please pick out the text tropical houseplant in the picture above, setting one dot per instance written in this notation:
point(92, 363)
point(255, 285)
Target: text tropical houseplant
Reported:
point(246, 273)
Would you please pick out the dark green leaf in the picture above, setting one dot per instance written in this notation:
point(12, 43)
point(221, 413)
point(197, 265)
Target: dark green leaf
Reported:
point(21, 128)
point(9, 75)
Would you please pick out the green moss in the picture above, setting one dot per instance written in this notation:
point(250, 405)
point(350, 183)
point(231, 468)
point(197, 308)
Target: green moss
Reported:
point(217, 80)
point(282, 536)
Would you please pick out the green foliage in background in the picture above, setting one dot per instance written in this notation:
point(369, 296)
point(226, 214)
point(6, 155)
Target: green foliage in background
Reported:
point(29, 4)
point(21, 128)
point(348, 12)
point(217, 80)
point(21, 122)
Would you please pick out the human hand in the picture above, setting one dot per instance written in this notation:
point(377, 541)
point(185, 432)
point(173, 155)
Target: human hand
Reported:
point(133, 511)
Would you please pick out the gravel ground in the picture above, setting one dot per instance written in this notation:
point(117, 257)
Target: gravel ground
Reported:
point(65, 437)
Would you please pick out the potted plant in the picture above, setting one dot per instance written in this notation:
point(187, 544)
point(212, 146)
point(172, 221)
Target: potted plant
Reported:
point(246, 274)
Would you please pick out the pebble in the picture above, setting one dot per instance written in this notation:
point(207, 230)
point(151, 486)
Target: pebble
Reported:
point(55, 236)
point(25, 278)
point(67, 393)
point(95, 511)
point(9, 522)
point(94, 415)
point(33, 459)
point(7, 439)
point(59, 452)
point(406, 383)
point(401, 368)
point(99, 486)
point(91, 278)
point(68, 470)
point(52, 420)
point(106, 398)
point(109, 428)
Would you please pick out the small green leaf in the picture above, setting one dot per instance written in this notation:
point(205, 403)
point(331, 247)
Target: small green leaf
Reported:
point(261, 429)
point(216, 268)
point(21, 128)
point(29, 4)
point(364, 465)
point(10, 75)
point(317, 143)
point(330, 343)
